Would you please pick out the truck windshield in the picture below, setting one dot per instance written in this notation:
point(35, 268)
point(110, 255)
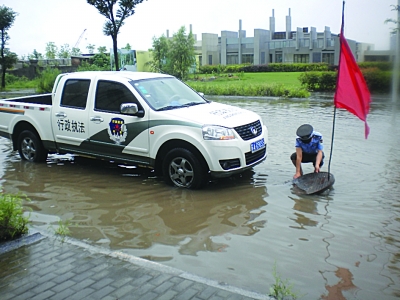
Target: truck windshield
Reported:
point(167, 93)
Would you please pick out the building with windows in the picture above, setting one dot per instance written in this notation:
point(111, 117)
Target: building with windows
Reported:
point(303, 45)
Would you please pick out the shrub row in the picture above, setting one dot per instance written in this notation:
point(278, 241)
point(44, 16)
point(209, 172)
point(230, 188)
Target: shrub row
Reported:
point(272, 67)
point(377, 80)
point(229, 89)
point(380, 65)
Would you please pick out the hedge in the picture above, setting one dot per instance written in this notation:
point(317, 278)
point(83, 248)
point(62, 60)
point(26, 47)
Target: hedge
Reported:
point(377, 80)
point(272, 67)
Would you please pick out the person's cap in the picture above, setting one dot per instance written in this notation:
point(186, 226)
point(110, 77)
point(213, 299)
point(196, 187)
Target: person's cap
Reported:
point(305, 131)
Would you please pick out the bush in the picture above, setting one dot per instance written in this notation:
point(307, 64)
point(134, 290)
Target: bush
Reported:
point(10, 78)
point(12, 222)
point(380, 65)
point(319, 81)
point(377, 80)
point(47, 79)
point(100, 62)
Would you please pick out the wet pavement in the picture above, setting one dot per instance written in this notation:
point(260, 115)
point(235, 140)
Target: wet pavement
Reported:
point(44, 266)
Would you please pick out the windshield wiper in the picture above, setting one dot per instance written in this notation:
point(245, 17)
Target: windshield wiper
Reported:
point(168, 107)
point(192, 104)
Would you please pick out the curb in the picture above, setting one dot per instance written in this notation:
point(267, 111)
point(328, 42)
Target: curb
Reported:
point(31, 237)
point(35, 235)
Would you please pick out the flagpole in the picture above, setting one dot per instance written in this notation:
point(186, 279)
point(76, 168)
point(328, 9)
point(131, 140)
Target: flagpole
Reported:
point(333, 135)
point(334, 111)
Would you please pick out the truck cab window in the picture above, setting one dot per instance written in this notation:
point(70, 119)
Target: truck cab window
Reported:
point(110, 95)
point(75, 93)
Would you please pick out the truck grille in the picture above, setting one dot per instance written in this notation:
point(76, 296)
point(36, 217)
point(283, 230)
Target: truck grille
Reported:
point(253, 157)
point(246, 132)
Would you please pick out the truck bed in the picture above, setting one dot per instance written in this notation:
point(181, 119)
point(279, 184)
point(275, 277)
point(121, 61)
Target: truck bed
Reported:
point(45, 99)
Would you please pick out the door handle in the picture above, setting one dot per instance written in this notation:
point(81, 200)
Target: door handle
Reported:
point(96, 119)
point(61, 114)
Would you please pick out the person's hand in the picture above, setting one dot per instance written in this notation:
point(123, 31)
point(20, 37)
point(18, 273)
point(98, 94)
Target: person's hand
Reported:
point(297, 175)
point(316, 170)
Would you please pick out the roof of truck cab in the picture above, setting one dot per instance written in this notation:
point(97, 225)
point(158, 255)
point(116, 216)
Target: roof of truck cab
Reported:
point(114, 74)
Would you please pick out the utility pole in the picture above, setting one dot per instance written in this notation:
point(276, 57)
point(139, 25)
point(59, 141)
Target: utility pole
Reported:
point(396, 67)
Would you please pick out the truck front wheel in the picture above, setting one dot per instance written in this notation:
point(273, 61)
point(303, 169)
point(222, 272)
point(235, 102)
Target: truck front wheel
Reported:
point(30, 147)
point(183, 169)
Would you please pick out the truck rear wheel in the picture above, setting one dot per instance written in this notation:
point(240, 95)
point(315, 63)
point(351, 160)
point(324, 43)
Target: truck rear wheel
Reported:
point(30, 147)
point(183, 169)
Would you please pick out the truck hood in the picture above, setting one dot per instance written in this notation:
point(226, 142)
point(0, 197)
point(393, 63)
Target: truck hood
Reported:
point(214, 113)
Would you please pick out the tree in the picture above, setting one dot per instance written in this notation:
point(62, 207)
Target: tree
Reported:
point(159, 54)
point(173, 56)
point(396, 66)
point(8, 60)
point(51, 50)
point(181, 53)
point(7, 18)
point(102, 49)
point(65, 51)
point(90, 48)
point(394, 21)
point(35, 55)
point(76, 51)
point(114, 23)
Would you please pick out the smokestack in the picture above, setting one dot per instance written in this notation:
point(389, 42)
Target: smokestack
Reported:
point(272, 24)
point(288, 25)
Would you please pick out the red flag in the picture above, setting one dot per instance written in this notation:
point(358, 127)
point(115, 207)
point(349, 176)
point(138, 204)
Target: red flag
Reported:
point(351, 89)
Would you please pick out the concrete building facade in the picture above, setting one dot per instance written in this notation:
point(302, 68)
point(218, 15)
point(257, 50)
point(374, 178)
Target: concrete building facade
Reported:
point(303, 45)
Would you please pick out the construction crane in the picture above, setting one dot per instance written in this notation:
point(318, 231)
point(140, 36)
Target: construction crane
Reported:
point(79, 40)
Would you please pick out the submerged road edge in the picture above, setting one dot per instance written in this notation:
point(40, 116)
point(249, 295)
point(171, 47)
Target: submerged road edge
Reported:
point(35, 235)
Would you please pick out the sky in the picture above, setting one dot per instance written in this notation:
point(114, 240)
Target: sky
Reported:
point(64, 21)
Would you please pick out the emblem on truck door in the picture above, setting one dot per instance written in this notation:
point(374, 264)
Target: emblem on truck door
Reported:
point(117, 130)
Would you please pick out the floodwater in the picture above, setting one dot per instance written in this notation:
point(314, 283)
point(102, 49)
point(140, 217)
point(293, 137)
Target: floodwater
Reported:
point(343, 244)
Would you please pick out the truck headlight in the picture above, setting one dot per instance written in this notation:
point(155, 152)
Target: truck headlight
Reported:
point(212, 132)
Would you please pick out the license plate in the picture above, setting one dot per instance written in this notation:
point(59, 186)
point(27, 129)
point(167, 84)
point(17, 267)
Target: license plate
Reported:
point(257, 145)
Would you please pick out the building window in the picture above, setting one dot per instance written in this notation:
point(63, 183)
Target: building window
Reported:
point(200, 60)
point(316, 57)
point(210, 60)
point(330, 42)
point(328, 58)
point(301, 58)
point(278, 57)
point(262, 58)
point(247, 58)
point(232, 59)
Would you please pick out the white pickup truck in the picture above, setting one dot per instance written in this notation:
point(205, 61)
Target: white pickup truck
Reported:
point(146, 119)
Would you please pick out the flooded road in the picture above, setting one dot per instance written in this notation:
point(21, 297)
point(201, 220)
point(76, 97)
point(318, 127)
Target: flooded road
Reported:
point(344, 244)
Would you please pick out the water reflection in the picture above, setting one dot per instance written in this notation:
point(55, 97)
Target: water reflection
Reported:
point(105, 205)
point(335, 292)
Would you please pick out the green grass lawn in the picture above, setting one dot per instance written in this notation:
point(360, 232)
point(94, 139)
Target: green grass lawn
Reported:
point(277, 84)
point(285, 78)
point(280, 84)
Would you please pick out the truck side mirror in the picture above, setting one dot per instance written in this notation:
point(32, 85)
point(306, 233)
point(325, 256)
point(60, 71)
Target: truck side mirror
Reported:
point(131, 109)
